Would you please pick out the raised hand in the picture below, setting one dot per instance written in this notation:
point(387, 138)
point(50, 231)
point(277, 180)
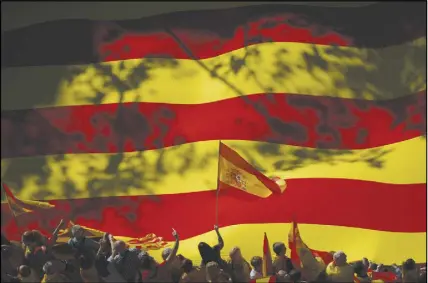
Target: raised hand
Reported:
point(216, 228)
point(175, 234)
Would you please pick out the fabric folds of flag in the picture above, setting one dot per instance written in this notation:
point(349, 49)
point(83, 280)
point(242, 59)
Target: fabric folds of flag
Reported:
point(122, 130)
point(148, 242)
point(19, 206)
point(267, 257)
point(312, 262)
point(236, 172)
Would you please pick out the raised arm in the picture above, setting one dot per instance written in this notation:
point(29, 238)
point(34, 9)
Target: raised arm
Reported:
point(220, 239)
point(173, 254)
point(113, 248)
point(54, 237)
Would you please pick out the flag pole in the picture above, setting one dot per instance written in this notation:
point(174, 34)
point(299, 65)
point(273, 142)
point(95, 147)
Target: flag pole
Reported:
point(218, 184)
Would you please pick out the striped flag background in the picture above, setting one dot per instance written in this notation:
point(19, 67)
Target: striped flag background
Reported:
point(116, 122)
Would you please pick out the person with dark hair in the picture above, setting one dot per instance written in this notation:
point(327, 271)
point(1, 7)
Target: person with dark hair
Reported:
point(281, 261)
point(410, 271)
point(257, 264)
point(107, 270)
point(372, 267)
point(36, 253)
point(209, 253)
point(366, 263)
point(360, 271)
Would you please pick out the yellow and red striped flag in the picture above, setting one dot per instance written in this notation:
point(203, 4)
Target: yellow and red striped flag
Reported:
point(267, 257)
point(118, 122)
point(19, 207)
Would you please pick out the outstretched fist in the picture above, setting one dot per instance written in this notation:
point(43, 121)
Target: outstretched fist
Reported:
point(216, 228)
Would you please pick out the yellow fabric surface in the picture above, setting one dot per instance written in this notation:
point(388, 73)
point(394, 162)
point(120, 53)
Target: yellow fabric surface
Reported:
point(280, 67)
point(201, 166)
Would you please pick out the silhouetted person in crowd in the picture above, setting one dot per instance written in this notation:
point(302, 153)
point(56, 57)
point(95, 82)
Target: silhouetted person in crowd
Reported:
point(209, 253)
point(281, 261)
point(154, 272)
point(80, 242)
point(238, 267)
point(257, 264)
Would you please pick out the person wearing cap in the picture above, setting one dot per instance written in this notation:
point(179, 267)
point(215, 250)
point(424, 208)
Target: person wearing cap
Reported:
point(339, 270)
point(281, 261)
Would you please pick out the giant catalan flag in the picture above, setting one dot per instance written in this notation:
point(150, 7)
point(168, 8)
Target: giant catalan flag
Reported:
point(117, 123)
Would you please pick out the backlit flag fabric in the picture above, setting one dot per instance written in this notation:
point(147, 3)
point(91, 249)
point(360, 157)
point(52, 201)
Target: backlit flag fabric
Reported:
point(18, 207)
point(236, 172)
point(117, 123)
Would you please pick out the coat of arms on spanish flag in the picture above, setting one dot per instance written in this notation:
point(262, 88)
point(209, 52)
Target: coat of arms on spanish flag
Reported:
point(236, 172)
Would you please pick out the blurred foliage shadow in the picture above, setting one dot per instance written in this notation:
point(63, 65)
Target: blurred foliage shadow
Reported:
point(120, 174)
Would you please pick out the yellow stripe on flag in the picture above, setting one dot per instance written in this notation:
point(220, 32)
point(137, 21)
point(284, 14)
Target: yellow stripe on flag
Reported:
point(379, 246)
point(199, 170)
point(189, 83)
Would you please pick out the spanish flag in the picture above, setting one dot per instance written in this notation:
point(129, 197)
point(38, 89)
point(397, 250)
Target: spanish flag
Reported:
point(267, 257)
point(236, 172)
point(19, 207)
point(118, 122)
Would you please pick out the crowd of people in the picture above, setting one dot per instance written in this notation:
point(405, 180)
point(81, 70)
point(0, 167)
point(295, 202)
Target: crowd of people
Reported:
point(38, 258)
